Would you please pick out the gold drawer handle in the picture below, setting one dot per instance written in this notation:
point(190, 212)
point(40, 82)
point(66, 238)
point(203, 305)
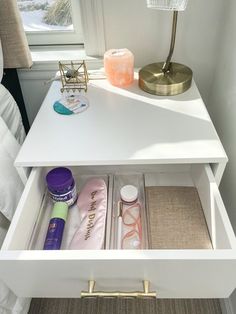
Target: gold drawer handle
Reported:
point(92, 293)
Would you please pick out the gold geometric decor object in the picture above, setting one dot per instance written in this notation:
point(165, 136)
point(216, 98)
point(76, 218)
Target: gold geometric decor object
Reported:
point(74, 76)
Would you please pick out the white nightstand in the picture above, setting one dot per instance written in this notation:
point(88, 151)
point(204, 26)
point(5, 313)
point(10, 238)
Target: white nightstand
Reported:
point(124, 130)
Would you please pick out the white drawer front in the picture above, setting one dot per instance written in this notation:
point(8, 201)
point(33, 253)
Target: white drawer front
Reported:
point(172, 273)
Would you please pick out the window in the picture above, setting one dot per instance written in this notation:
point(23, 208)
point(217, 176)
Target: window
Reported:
point(51, 21)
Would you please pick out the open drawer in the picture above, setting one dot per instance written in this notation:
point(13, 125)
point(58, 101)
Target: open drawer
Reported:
point(189, 273)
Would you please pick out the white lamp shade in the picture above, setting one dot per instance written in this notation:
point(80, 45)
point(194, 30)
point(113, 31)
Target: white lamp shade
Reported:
point(177, 5)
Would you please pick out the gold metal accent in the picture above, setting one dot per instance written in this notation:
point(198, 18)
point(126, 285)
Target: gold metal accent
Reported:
point(166, 78)
point(166, 66)
point(177, 80)
point(145, 293)
point(74, 76)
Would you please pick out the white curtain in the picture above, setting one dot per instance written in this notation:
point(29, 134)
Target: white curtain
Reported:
point(15, 47)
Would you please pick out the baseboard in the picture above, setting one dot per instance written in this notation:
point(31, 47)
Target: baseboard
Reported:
point(226, 306)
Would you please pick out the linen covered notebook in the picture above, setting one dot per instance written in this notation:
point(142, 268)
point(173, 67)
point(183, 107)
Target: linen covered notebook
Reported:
point(176, 218)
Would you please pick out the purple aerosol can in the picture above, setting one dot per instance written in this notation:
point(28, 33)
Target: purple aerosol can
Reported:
point(56, 226)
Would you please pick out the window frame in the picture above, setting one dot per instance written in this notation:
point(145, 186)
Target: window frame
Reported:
point(43, 38)
point(92, 17)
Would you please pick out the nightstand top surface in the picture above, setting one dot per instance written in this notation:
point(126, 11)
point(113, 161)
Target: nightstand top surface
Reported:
point(123, 126)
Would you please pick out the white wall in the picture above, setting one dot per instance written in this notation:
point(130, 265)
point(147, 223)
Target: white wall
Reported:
point(222, 107)
point(34, 87)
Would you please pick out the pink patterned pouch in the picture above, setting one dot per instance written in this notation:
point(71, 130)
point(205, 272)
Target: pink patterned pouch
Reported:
point(92, 203)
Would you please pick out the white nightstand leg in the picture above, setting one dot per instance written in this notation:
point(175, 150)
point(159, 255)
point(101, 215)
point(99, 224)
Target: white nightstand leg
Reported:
point(218, 170)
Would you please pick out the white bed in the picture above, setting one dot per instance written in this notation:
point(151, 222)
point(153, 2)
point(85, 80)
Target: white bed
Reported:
point(11, 137)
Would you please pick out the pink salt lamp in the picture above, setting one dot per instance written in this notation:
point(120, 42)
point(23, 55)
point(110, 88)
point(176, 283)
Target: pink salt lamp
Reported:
point(119, 66)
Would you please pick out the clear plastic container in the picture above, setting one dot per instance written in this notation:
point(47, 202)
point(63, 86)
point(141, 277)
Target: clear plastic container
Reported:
point(129, 223)
point(73, 220)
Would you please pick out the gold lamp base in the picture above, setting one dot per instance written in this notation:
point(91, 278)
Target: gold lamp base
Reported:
point(175, 81)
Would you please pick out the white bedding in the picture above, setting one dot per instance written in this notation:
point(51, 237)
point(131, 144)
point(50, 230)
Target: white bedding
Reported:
point(11, 186)
point(10, 304)
point(4, 225)
point(11, 114)
point(11, 136)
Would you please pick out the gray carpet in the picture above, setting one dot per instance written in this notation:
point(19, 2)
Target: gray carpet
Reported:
point(124, 306)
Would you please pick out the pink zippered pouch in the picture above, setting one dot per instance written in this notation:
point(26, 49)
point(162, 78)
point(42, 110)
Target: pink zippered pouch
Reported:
point(92, 204)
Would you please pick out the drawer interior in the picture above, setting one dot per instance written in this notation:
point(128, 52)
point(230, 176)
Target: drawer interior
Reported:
point(202, 225)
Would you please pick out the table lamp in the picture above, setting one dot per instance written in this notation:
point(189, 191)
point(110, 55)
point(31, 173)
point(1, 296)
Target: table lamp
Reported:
point(166, 78)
